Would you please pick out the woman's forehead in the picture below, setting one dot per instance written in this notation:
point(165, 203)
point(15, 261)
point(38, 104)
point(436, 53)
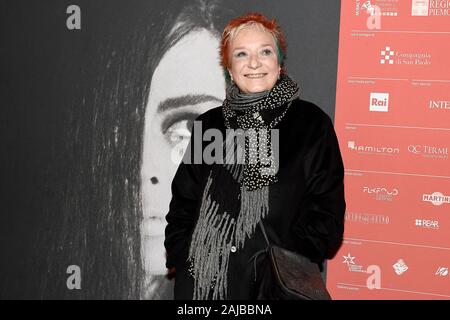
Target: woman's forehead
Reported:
point(191, 66)
point(254, 33)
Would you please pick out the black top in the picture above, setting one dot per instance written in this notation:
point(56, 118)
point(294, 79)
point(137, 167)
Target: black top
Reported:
point(306, 205)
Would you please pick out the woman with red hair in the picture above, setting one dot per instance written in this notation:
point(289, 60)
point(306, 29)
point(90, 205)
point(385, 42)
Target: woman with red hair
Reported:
point(281, 167)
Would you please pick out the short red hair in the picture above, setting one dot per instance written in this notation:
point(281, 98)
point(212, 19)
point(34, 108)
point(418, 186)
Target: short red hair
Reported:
point(249, 19)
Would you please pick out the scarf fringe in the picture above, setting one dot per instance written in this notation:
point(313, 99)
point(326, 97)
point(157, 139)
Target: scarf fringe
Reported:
point(254, 207)
point(214, 236)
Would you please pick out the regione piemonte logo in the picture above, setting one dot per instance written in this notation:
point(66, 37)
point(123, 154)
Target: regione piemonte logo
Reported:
point(379, 102)
point(419, 7)
point(387, 56)
point(438, 8)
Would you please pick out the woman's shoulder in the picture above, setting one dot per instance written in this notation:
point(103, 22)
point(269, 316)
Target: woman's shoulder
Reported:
point(308, 111)
point(211, 113)
point(211, 118)
point(302, 110)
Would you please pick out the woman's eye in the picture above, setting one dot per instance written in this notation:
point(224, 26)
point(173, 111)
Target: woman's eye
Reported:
point(180, 131)
point(240, 54)
point(267, 52)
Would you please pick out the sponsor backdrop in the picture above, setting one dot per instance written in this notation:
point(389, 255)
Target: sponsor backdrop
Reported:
point(393, 122)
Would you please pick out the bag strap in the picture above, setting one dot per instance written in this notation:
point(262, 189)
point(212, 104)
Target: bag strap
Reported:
point(261, 225)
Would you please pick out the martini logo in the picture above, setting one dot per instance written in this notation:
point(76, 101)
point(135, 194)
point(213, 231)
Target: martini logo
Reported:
point(436, 198)
point(379, 102)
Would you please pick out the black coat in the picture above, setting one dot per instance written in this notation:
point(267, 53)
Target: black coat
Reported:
point(307, 203)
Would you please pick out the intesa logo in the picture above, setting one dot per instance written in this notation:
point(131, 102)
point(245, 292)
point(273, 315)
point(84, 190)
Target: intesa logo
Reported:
point(439, 104)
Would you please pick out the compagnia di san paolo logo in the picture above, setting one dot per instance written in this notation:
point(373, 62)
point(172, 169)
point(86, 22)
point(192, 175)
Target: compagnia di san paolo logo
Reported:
point(390, 56)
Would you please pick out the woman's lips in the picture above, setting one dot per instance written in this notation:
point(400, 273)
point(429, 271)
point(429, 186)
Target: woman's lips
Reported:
point(255, 75)
point(153, 227)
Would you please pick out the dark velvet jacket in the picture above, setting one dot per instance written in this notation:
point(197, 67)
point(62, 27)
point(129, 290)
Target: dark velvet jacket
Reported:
point(306, 205)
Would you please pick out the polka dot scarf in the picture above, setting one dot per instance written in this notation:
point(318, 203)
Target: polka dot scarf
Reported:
point(256, 114)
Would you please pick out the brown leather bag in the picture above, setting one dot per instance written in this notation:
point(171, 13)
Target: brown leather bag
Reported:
point(290, 276)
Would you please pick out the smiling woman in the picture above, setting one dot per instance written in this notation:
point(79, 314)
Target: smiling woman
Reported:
point(212, 237)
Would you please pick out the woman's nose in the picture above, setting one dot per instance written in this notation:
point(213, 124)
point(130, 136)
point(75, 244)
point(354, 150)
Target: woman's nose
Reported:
point(254, 62)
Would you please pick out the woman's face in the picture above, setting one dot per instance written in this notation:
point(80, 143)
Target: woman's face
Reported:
point(254, 62)
point(187, 82)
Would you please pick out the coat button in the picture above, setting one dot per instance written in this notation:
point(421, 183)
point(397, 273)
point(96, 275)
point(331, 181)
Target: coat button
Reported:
point(233, 248)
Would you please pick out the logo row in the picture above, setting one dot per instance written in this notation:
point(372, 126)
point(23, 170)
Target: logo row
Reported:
point(389, 194)
point(419, 8)
point(427, 151)
point(381, 219)
point(399, 267)
point(379, 102)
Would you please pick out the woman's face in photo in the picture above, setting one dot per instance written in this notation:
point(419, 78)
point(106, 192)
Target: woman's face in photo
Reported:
point(187, 82)
point(254, 62)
